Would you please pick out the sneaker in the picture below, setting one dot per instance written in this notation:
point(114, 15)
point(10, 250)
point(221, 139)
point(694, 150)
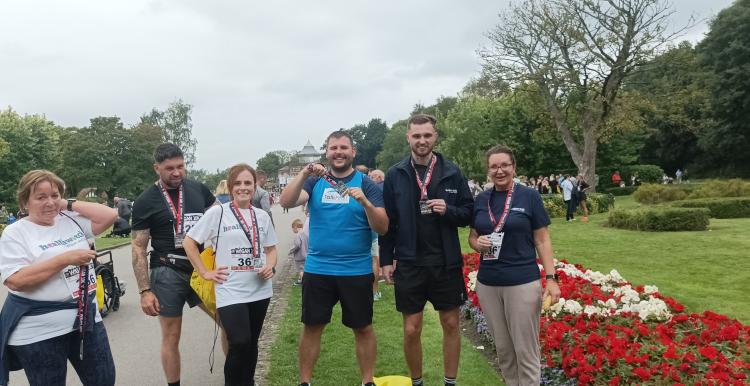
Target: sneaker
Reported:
point(304, 384)
point(369, 384)
point(297, 282)
point(376, 296)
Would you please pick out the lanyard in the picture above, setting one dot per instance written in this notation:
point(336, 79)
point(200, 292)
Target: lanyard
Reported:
point(329, 178)
point(499, 224)
point(174, 210)
point(427, 177)
point(252, 236)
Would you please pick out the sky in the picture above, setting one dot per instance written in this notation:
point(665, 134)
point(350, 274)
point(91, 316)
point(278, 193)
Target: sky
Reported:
point(261, 76)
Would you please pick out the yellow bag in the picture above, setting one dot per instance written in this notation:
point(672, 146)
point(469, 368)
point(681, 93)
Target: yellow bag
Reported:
point(392, 380)
point(99, 292)
point(205, 288)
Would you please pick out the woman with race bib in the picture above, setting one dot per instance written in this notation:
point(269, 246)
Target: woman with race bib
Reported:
point(51, 316)
point(509, 229)
point(245, 245)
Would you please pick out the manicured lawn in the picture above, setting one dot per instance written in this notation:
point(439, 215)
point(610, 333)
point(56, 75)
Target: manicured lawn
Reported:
point(703, 270)
point(111, 242)
point(337, 365)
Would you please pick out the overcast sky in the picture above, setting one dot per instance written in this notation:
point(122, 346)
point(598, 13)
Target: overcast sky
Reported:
point(261, 75)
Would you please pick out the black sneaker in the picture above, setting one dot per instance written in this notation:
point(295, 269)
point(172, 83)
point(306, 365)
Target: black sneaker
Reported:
point(304, 384)
point(370, 384)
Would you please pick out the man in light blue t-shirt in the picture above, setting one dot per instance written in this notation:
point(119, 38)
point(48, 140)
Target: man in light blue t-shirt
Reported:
point(345, 207)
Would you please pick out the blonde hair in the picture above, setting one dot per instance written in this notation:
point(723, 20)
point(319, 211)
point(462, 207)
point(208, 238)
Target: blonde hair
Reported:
point(222, 188)
point(31, 179)
point(297, 223)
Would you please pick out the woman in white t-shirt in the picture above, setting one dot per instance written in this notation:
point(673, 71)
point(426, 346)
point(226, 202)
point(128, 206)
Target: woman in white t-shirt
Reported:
point(245, 245)
point(47, 319)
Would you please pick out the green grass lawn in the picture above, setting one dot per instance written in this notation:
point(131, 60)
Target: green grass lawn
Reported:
point(703, 270)
point(337, 365)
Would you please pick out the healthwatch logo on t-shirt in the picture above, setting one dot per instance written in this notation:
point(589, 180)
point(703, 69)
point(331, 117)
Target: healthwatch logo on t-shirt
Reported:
point(62, 242)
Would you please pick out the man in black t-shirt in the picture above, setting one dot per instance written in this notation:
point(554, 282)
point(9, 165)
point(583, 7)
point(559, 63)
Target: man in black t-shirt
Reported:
point(426, 198)
point(163, 214)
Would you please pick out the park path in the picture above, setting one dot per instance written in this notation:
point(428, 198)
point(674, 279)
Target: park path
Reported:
point(135, 338)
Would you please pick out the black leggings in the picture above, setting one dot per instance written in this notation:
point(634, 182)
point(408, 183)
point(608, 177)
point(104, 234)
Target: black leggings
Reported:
point(572, 204)
point(242, 323)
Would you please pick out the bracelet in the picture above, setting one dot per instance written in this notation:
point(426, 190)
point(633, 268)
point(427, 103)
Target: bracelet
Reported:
point(144, 290)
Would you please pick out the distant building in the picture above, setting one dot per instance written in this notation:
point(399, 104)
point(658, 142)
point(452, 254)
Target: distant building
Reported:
point(303, 157)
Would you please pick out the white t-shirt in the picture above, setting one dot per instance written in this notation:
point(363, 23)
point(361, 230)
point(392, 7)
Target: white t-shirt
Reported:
point(24, 243)
point(243, 284)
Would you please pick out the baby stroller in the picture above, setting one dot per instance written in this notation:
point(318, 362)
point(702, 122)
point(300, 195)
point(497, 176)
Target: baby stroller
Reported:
point(108, 286)
point(121, 228)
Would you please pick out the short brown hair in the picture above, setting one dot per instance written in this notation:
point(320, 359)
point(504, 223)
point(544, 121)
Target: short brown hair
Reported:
point(30, 180)
point(235, 171)
point(499, 149)
point(421, 119)
point(297, 223)
point(339, 134)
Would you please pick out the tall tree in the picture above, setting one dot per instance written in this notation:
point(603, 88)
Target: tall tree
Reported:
point(272, 161)
point(578, 53)
point(176, 124)
point(726, 53)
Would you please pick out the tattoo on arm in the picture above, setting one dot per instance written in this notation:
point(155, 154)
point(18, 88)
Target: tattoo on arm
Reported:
point(139, 242)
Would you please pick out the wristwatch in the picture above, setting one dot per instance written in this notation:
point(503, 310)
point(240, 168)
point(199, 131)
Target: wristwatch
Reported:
point(70, 204)
point(551, 277)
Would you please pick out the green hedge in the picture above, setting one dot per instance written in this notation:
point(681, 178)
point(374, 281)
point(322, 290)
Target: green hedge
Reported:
point(660, 219)
point(595, 202)
point(722, 188)
point(727, 207)
point(618, 191)
point(647, 173)
point(658, 193)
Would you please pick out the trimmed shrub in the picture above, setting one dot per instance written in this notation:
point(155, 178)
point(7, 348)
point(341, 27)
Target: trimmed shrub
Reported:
point(722, 188)
point(727, 207)
point(595, 202)
point(658, 193)
point(618, 191)
point(660, 219)
point(647, 173)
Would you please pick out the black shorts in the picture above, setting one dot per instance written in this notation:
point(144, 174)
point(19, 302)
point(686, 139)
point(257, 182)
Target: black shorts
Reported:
point(321, 292)
point(415, 285)
point(172, 289)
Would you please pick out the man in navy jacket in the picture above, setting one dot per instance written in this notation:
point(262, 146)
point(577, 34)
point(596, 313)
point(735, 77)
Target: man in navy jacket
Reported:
point(427, 198)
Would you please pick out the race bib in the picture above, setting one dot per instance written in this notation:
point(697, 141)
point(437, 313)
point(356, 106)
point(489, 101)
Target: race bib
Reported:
point(497, 243)
point(189, 220)
point(243, 260)
point(73, 283)
point(331, 196)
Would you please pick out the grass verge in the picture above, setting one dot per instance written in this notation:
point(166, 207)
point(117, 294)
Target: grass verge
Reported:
point(337, 365)
point(111, 242)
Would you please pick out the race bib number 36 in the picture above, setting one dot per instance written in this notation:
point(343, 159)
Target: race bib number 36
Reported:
point(243, 260)
point(497, 244)
point(73, 283)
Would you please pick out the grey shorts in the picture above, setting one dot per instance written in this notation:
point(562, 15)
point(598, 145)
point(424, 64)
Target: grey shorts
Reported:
point(172, 289)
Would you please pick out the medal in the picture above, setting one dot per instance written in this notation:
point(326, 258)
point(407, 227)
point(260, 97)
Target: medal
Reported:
point(423, 207)
point(339, 187)
point(496, 237)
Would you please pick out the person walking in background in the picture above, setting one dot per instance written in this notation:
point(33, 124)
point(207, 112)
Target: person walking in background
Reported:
point(616, 178)
point(582, 189)
point(261, 198)
point(678, 176)
point(554, 186)
point(569, 187)
point(298, 252)
point(510, 229)
point(124, 208)
point(544, 188)
point(222, 192)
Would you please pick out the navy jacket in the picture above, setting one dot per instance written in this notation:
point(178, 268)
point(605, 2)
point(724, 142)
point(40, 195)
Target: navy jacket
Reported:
point(400, 197)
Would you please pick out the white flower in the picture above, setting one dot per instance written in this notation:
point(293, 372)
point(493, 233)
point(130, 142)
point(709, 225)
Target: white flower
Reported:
point(472, 280)
point(650, 289)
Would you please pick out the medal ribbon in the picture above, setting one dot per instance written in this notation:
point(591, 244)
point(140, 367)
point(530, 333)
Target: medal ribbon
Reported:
point(176, 211)
point(83, 300)
point(329, 178)
point(506, 209)
point(252, 236)
point(427, 177)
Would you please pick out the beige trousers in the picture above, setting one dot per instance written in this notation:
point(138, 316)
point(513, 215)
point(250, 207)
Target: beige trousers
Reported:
point(512, 315)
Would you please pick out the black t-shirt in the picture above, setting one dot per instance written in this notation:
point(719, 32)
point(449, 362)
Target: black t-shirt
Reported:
point(517, 263)
point(429, 239)
point(150, 212)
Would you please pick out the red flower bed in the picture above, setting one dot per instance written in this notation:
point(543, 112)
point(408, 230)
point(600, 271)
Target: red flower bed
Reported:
point(612, 333)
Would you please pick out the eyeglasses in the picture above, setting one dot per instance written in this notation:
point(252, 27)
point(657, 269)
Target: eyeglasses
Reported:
point(505, 167)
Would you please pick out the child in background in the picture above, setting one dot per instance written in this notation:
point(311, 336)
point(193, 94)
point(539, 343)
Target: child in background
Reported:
point(299, 249)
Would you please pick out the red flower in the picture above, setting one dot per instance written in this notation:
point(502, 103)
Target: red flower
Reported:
point(709, 352)
point(643, 373)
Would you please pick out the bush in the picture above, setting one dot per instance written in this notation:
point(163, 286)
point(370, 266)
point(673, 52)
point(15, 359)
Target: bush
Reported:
point(732, 207)
point(660, 219)
point(647, 173)
point(658, 193)
point(595, 202)
point(618, 191)
point(722, 188)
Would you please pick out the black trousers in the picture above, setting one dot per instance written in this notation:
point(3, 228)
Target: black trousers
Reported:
point(242, 323)
point(572, 205)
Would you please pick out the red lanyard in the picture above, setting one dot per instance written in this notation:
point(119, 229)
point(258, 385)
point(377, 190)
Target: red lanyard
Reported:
point(427, 177)
point(506, 210)
point(252, 236)
point(176, 211)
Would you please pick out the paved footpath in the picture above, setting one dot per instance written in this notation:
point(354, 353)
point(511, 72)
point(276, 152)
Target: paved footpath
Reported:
point(135, 338)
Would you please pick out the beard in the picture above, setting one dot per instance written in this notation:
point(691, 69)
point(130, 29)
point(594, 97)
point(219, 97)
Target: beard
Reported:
point(341, 169)
point(422, 151)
